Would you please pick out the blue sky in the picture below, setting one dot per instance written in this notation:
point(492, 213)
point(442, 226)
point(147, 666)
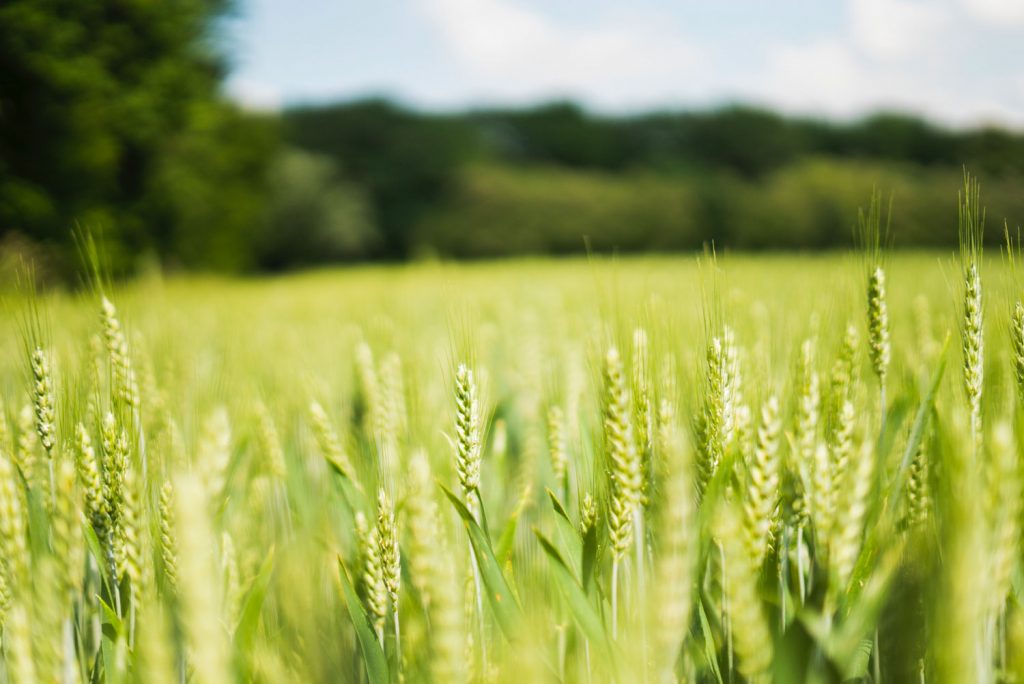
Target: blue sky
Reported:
point(958, 61)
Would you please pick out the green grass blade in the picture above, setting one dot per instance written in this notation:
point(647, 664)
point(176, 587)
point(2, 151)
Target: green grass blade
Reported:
point(499, 594)
point(917, 429)
point(507, 539)
point(350, 491)
point(567, 532)
point(96, 548)
point(880, 533)
point(253, 605)
point(710, 651)
point(111, 619)
point(845, 642)
point(373, 655)
point(583, 611)
point(591, 556)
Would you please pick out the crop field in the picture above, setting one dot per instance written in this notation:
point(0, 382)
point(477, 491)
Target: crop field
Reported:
point(736, 469)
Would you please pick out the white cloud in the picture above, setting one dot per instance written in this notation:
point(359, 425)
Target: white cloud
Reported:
point(820, 77)
point(829, 77)
point(1000, 13)
point(892, 55)
point(896, 29)
point(512, 52)
point(953, 60)
point(254, 95)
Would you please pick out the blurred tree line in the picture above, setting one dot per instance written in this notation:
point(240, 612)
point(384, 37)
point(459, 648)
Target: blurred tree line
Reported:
point(112, 118)
point(554, 178)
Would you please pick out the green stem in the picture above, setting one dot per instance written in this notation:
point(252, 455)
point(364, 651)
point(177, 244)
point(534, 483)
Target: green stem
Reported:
point(800, 563)
point(398, 643)
point(615, 598)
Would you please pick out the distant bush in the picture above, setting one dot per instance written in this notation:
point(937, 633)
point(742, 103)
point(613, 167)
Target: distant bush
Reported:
point(810, 204)
point(497, 211)
point(813, 204)
point(405, 162)
point(313, 216)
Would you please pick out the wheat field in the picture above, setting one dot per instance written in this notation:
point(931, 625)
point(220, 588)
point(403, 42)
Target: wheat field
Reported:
point(744, 468)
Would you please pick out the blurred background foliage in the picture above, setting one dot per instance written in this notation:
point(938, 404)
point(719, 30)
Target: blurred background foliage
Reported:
point(112, 117)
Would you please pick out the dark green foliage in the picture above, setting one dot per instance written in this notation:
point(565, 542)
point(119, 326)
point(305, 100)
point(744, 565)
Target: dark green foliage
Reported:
point(314, 216)
point(406, 163)
point(110, 117)
point(552, 179)
point(560, 134)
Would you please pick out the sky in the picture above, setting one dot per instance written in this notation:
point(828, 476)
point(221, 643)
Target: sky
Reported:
point(960, 62)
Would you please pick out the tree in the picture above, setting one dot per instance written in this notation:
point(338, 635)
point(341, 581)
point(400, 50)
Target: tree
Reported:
point(98, 99)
